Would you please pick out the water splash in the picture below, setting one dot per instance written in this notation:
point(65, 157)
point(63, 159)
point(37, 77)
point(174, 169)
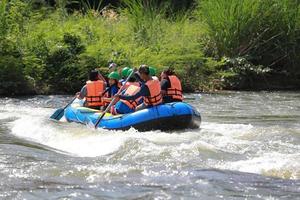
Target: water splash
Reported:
point(236, 146)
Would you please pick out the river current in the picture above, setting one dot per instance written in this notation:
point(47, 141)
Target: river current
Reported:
point(248, 147)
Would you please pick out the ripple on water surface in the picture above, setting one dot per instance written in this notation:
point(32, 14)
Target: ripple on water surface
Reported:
point(242, 134)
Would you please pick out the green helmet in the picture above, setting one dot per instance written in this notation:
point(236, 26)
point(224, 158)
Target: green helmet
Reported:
point(124, 71)
point(114, 75)
point(129, 72)
point(152, 71)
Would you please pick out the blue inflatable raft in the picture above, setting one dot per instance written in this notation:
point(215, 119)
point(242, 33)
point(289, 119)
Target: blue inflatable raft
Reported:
point(170, 116)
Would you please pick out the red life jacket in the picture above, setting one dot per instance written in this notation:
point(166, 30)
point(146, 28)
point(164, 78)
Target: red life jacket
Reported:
point(94, 91)
point(155, 97)
point(175, 91)
point(132, 90)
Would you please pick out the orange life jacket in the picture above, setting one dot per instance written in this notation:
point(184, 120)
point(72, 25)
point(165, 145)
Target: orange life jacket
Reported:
point(155, 97)
point(132, 90)
point(94, 91)
point(131, 83)
point(175, 91)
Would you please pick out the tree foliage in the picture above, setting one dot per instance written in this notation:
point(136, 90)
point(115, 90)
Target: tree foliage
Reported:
point(50, 46)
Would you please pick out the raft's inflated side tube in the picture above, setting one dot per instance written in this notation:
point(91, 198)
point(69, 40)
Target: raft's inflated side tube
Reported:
point(170, 116)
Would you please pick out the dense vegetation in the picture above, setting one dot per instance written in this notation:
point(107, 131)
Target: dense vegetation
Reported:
point(49, 46)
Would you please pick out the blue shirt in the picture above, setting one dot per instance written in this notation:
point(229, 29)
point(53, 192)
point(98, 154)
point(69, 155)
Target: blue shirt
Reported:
point(113, 90)
point(122, 81)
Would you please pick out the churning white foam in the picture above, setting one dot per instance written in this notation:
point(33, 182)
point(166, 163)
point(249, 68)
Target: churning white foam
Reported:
point(272, 164)
point(78, 140)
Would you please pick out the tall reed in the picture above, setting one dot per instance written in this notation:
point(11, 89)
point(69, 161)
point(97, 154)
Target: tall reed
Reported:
point(267, 32)
point(145, 18)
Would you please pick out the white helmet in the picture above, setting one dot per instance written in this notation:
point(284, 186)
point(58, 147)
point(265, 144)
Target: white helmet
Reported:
point(112, 65)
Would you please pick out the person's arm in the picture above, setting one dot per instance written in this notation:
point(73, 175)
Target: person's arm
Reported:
point(165, 84)
point(108, 99)
point(82, 93)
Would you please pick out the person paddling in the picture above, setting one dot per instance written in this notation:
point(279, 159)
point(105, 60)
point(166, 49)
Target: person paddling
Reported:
point(170, 86)
point(113, 81)
point(150, 90)
point(92, 90)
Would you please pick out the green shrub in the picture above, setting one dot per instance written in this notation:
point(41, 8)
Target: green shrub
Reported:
point(220, 44)
point(242, 74)
point(3, 21)
point(266, 32)
point(11, 76)
point(12, 79)
point(62, 68)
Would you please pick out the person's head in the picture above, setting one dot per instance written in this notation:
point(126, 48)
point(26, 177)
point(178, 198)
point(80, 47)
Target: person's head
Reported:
point(167, 72)
point(132, 78)
point(152, 71)
point(113, 78)
point(144, 72)
point(124, 72)
point(112, 67)
point(94, 75)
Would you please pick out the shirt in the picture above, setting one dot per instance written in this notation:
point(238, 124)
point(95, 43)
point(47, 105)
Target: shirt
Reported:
point(113, 90)
point(165, 84)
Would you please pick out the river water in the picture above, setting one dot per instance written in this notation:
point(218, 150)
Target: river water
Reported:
point(248, 147)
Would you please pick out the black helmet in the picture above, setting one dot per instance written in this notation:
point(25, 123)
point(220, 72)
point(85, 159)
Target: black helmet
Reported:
point(144, 69)
point(169, 71)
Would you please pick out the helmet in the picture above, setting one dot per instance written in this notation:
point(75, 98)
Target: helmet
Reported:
point(112, 65)
point(152, 71)
point(169, 71)
point(129, 72)
point(144, 69)
point(114, 75)
point(124, 71)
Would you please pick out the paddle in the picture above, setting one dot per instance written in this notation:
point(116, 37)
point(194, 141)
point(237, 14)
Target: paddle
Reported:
point(59, 113)
point(106, 91)
point(112, 101)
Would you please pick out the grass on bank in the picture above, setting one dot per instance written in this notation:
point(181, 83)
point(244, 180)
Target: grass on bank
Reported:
point(221, 43)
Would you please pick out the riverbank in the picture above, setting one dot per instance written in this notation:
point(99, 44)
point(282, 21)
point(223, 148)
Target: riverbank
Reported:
point(49, 49)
